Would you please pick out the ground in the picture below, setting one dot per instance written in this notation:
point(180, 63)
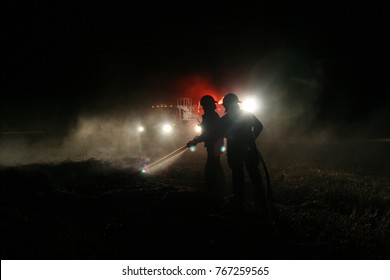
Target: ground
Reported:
point(330, 201)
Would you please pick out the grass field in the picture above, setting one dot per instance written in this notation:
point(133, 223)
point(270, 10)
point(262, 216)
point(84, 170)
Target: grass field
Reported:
point(330, 201)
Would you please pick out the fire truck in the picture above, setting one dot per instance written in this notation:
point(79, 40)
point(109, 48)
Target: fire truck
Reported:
point(163, 123)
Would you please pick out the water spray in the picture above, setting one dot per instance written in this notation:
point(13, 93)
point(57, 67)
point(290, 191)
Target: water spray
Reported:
point(177, 152)
point(167, 157)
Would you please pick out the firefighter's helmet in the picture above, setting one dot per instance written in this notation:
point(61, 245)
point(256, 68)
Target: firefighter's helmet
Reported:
point(230, 99)
point(208, 101)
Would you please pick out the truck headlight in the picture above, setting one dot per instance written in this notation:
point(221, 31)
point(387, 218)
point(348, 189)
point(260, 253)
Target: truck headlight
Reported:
point(167, 128)
point(198, 128)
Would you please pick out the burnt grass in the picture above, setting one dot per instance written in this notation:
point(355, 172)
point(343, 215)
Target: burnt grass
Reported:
point(329, 202)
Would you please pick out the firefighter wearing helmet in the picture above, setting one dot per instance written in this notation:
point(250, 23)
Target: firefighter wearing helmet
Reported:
point(207, 101)
point(241, 129)
point(230, 100)
point(213, 142)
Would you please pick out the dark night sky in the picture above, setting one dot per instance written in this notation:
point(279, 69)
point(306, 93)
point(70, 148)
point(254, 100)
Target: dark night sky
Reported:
point(63, 59)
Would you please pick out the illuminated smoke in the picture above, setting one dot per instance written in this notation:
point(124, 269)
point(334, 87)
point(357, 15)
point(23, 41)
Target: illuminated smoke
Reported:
point(102, 137)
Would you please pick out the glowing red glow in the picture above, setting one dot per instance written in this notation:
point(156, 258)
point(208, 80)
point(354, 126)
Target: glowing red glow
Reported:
point(194, 87)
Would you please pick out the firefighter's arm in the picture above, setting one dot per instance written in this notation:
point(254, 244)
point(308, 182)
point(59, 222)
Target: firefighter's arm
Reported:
point(195, 141)
point(257, 127)
point(198, 139)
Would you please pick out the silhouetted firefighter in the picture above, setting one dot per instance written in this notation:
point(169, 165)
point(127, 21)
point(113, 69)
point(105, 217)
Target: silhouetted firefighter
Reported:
point(241, 129)
point(214, 175)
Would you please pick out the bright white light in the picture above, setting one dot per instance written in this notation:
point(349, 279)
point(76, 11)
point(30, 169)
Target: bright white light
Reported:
point(167, 128)
point(141, 129)
point(198, 129)
point(250, 104)
point(192, 148)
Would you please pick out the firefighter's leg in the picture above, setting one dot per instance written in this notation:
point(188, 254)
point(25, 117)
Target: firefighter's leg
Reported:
point(258, 186)
point(209, 173)
point(213, 175)
point(221, 181)
point(237, 167)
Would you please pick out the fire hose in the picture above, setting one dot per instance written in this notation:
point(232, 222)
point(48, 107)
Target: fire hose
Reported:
point(170, 155)
point(267, 179)
point(185, 147)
